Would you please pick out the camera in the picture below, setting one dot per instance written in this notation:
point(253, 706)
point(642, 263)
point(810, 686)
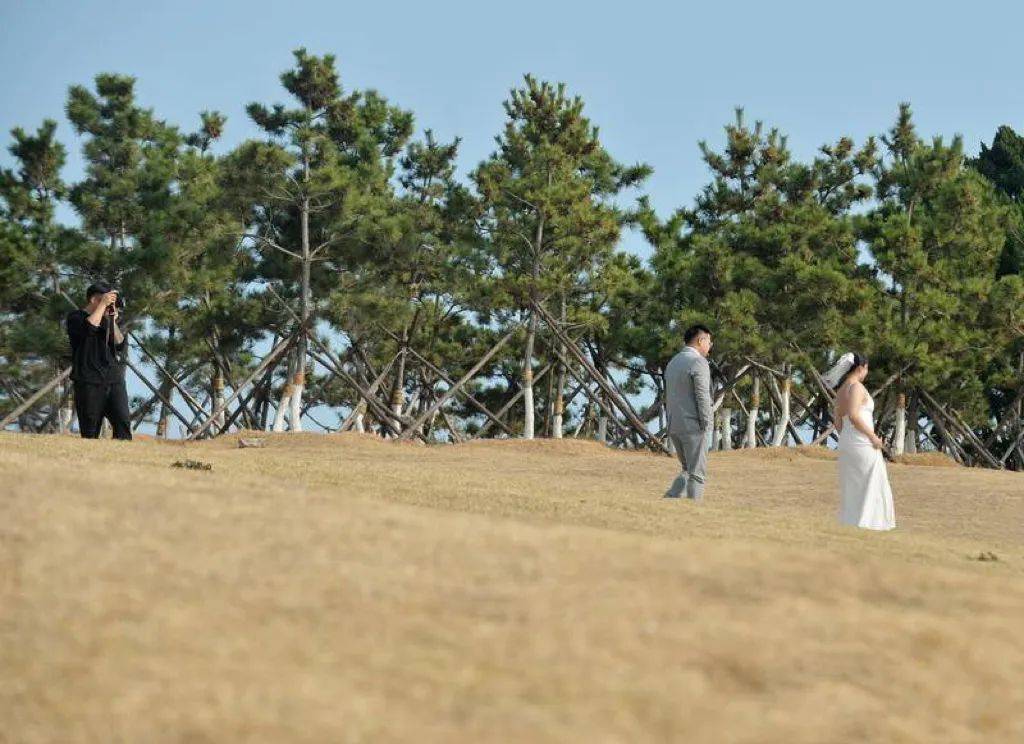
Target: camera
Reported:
point(118, 303)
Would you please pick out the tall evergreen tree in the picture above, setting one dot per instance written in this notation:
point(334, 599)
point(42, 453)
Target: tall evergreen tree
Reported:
point(131, 159)
point(547, 194)
point(308, 188)
point(936, 236)
point(35, 255)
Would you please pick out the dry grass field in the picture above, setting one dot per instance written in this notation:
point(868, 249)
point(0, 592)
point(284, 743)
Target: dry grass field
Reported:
point(343, 589)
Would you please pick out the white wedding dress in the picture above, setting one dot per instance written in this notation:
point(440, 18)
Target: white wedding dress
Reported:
point(866, 498)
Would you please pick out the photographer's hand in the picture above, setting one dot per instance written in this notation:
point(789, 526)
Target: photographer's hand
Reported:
point(95, 318)
point(115, 328)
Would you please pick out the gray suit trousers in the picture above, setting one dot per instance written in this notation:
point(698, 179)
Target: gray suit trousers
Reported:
point(692, 450)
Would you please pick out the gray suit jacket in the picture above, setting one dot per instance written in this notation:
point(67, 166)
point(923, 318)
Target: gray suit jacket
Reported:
point(688, 393)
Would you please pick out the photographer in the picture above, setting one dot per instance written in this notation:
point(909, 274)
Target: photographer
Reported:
point(97, 364)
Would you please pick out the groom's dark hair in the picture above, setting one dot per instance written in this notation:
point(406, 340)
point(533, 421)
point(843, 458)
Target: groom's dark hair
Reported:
point(693, 331)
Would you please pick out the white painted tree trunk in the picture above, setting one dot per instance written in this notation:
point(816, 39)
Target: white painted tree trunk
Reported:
point(360, 421)
point(217, 398)
point(528, 404)
point(67, 410)
point(528, 422)
point(295, 402)
point(781, 427)
point(602, 428)
point(750, 441)
point(282, 407)
point(556, 420)
point(900, 434)
point(726, 428)
point(910, 439)
point(558, 408)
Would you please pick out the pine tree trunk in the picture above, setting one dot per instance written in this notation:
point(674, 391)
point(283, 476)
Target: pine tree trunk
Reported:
point(305, 307)
point(910, 440)
point(755, 402)
point(726, 429)
point(559, 404)
point(781, 427)
point(217, 396)
point(583, 419)
point(286, 396)
point(602, 426)
point(398, 388)
point(531, 333)
point(528, 405)
point(67, 409)
point(716, 431)
point(900, 434)
point(359, 424)
point(295, 401)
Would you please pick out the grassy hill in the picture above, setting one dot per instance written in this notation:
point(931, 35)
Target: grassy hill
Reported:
point(340, 588)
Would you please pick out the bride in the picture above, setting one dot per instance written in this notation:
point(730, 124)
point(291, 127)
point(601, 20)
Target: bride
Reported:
point(866, 498)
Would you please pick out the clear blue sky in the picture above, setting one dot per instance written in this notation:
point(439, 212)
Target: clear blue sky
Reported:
point(656, 76)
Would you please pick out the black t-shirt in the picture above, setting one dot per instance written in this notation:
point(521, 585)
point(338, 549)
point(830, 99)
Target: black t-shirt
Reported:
point(95, 357)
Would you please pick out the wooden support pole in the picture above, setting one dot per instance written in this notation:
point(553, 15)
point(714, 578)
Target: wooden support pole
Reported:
point(599, 400)
point(511, 402)
point(275, 354)
point(243, 404)
point(1010, 416)
point(372, 390)
point(634, 421)
point(29, 402)
point(156, 391)
point(455, 387)
point(958, 454)
point(383, 412)
point(1016, 445)
point(466, 394)
point(724, 390)
point(185, 394)
point(957, 424)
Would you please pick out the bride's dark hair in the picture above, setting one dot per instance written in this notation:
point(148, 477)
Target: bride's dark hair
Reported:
point(859, 360)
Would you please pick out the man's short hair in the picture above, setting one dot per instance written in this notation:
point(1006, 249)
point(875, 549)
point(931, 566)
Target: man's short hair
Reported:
point(693, 331)
point(98, 288)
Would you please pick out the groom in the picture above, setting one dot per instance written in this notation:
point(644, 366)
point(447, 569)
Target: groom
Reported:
point(688, 403)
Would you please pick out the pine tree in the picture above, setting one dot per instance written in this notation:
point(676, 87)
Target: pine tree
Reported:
point(768, 257)
point(548, 214)
point(1003, 165)
point(130, 170)
point(35, 255)
point(323, 170)
point(936, 236)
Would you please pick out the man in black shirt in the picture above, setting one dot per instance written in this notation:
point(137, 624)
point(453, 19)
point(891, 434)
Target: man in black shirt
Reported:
point(97, 366)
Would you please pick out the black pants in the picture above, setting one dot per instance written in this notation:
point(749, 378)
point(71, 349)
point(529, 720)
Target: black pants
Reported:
point(94, 402)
